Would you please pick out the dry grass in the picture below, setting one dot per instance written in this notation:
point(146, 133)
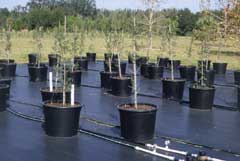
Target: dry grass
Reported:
point(22, 45)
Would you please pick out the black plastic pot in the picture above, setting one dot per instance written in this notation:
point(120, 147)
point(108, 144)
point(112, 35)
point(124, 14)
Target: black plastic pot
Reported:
point(201, 97)
point(9, 70)
point(163, 62)
point(107, 56)
point(106, 79)
point(75, 77)
point(38, 74)
point(176, 63)
point(137, 125)
point(5, 61)
point(55, 95)
point(173, 89)
point(4, 95)
point(188, 72)
point(91, 57)
point(81, 62)
point(209, 75)
point(143, 70)
point(206, 64)
point(32, 58)
point(61, 121)
point(115, 67)
point(237, 77)
point(5, 81)
point(154, 71)
point(220, 68)
point(121, 86)
point(53, 59)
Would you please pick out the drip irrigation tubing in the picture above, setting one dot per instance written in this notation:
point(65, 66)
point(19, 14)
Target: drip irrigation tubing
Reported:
point(176, 140)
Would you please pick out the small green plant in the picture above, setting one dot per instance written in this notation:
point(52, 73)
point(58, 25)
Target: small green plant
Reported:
point(204, 32)
point(92, 36)
point(118, 46)
point(169, 36)
point(37, 37)
point(8, 44)
point(74, 46)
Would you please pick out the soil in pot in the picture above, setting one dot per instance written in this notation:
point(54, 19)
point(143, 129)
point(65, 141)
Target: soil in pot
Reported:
point(220, 68)
point(61, 120)
point(143, 70)
point(76, 77)
point(115, 67)
point(173, 89)
point(106, 79)
point(54, 96)
point(188, 72)
point(81, 63)
point(154, 71)
point(4, 95)
point(201, 97)
point(137, 125)
point(206, 64)
point(121, 86)
point(32, 58)
point(91, 57)
point(53, 59)
point(163, 62)
point(9, 69)
point(38, 74)
point(237, 77)
point(209, 75)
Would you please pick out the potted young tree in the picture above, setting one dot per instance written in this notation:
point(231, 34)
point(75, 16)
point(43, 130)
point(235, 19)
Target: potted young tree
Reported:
point(55, 92)
point(8, 65)
point(137, 120)
point(188, 71)
point(32, 58)
point(201, 95)
point(91, 54)
point(172, 87)
point(219, 66)
point(121, 85)
point(38, 72)
point(108, 72)
point(75, 73)
point(81, 60)
point(62, 117)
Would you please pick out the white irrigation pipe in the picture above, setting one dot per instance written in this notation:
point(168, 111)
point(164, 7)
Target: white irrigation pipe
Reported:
point(167, 149)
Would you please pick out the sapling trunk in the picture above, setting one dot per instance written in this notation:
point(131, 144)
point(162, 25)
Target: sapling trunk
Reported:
point(135, 82)
point(202, 74)
point(64, 84)
point(110, 65)
point(119, 66)
point(50, 81)
point(72, 95)
point(56, 77)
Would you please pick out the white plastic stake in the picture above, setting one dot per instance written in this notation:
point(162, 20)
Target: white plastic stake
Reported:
point(72, 95)
point(51, 81)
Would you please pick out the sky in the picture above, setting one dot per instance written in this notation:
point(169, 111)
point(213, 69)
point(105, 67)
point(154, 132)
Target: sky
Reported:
point(119, 4)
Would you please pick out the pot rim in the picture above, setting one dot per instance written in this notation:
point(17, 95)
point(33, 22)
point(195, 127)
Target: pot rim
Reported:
point(175, 80)
point(48, 88)
point(209, 88)
point(137, 110)
point(78, 105)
